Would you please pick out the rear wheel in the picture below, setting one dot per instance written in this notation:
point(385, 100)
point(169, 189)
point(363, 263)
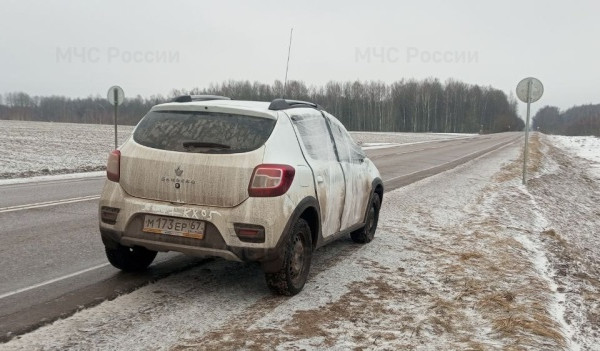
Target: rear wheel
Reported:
point(366, 234)
point(292, 274)
point(130, 259)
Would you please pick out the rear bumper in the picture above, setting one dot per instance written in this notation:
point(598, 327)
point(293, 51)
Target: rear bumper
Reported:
point(220, 239)
point(110, 238)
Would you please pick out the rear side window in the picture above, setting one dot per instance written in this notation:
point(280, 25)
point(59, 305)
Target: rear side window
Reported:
point(314, 134)
point(202, 132)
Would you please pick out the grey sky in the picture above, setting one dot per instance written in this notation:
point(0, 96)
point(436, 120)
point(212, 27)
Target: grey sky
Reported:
point(80, 48)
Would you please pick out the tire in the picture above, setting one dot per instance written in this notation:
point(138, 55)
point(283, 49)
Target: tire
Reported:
point(130, 259)
point(295, 265)
point(367, 233)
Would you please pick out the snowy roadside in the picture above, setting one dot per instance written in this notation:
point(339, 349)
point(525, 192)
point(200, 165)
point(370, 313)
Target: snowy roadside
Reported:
point(584, 147)
point(567, 194)
point(467, 259)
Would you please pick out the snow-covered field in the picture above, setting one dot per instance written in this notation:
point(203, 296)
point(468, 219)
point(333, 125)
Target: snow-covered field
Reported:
point(584, 147)
point(42, 148)
point(465, 260)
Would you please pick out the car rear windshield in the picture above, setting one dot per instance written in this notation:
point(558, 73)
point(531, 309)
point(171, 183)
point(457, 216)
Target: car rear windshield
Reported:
point(203, 132)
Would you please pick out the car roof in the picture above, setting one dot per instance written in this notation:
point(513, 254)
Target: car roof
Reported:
point(252, 108)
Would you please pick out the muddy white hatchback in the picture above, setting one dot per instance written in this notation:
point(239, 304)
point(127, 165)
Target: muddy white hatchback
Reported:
point(241, 180)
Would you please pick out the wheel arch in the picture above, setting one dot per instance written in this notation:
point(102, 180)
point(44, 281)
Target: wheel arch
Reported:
point(377, 186)
point(311, 216)
point(308, 210)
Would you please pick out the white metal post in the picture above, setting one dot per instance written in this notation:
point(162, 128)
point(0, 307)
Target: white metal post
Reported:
point(116, 94)
point(525, 153)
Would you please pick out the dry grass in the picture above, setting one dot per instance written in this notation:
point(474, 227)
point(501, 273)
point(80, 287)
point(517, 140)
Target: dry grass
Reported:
point(536, 155)
point(498, 301)
point(535, 161)
point(469, 255)
point(509, 291)
point(536, 324)
point(554, 235)
point(362, 307)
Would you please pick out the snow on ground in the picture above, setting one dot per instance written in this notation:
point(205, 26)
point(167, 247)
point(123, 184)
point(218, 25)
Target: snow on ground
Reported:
point(587, 147)
point(567, 194)
point(43, 148)
point(469, 259)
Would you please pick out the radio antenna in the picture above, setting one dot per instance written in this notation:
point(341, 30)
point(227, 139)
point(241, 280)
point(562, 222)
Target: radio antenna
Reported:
point(288, 64)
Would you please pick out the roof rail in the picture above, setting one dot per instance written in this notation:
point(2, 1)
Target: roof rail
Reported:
point(284, 104)
point(190, 98)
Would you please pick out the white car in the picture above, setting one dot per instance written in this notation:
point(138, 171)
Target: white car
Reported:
point(241, 180)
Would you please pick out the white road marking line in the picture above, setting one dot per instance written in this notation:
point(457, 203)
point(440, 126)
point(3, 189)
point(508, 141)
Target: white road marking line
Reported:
point(376, 157)
point(430, 141)
point(11, 293)
point(48, 203)
point(446, 163)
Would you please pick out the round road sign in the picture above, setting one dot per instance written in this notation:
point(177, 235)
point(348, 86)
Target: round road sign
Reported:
point(115, 95)
point(537, 89)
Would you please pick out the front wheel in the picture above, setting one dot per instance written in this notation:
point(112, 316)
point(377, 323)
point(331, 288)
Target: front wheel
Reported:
point(295, 265)
point(367, 233)
point(130, 259)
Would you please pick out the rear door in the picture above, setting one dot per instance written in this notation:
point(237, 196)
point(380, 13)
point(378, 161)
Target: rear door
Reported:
point(358, 186)
point(194, 157)
point(318, 149)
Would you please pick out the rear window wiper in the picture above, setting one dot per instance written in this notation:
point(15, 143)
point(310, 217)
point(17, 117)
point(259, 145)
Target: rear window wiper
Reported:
point(194, 143)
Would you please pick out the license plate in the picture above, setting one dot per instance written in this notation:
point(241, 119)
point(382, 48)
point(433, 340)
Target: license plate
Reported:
point(174, 226)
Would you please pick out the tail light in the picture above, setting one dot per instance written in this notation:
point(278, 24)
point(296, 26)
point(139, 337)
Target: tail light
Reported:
point(270, 180)
point(113, 166)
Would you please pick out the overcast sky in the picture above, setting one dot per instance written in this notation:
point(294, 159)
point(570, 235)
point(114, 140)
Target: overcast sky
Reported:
point(81, 48)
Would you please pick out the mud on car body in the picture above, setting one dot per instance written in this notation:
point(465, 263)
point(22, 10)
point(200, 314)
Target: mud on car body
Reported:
point(241, 180)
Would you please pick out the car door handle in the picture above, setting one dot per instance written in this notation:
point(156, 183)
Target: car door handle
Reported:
point(320, 179)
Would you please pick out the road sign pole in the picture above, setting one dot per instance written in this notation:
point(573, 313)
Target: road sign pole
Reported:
point(526, 151)
point(116, 95)
point(529, 90)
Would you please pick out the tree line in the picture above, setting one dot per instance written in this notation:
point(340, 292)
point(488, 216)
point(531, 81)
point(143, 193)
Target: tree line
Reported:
point(403, 106)
point(94, 109)
point(577, 120)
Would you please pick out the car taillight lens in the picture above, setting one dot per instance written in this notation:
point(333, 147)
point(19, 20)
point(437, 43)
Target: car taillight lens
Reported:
point(271, 180)
point(113, 166)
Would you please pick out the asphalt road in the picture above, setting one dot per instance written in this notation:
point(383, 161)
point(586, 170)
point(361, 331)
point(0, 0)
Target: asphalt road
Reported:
point(52, 260)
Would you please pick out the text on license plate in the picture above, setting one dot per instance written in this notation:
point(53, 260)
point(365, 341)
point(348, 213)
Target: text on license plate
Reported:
point(188, 228)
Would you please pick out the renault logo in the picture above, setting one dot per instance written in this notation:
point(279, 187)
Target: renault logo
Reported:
point(178, 171)
point(176, 180)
